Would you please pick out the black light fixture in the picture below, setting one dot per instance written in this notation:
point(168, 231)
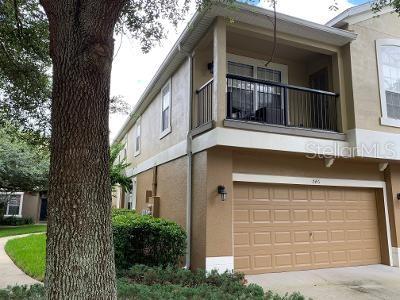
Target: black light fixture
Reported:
point(398, 196)
point(222, 192)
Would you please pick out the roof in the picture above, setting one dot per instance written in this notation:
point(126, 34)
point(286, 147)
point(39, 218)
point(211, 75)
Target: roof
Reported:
point(199, 25)
point(355, 14)
point(340, 19)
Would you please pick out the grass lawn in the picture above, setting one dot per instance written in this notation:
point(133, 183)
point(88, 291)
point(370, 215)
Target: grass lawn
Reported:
point(29, 254)
point(17, 230)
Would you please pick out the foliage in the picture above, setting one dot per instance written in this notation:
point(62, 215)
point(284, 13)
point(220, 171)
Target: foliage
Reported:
point(156, 283)
point(15, 221)
point(378, 5)
point(295, 296)
point(171, 275)
point(23, 292)
point(147, 240)
point(118, 168)
point(169, 291)
point(25, 85)
point(119, 106)
point(29, 254)
point(122, 212)
point(23, 166)
point(10, 231)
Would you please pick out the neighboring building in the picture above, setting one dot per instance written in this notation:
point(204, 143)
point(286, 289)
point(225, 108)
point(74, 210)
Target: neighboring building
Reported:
point(293, 166)
point(27, 205)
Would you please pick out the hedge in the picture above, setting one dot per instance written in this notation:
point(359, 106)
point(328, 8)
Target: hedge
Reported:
point(15, 221)
point(146, 240)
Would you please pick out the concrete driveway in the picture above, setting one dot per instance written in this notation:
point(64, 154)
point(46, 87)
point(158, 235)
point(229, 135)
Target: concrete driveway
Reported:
point(367, 282)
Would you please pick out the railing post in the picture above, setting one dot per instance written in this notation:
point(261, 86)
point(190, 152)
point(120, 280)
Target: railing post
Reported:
point(286, 107)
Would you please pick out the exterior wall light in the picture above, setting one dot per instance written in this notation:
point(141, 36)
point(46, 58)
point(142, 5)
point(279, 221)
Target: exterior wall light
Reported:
point(222, 192)
point(398, 196)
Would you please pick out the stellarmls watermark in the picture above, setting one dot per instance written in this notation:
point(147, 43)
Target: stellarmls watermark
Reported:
point(316, 150)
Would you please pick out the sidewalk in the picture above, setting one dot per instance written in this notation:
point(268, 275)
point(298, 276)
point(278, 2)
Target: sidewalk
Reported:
point(9, 273)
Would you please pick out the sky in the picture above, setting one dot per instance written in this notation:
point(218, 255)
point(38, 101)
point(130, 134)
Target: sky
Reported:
point(133, 70)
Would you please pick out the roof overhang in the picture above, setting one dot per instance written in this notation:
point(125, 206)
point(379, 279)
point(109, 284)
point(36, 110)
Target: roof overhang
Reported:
point(244, 13)
point(357, 14)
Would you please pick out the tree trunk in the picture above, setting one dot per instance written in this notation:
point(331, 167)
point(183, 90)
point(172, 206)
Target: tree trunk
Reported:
point(80, 253)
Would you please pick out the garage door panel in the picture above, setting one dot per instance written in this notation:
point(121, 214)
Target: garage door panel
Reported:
point(283, 228)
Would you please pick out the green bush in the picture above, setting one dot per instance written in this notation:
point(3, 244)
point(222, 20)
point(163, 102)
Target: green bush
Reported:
point(22, 292)
point(122, 211)
point(15, 221)
point(146, 240)
point(163, 283)
point(172, 275)
point(295, 296)
point(177, 292)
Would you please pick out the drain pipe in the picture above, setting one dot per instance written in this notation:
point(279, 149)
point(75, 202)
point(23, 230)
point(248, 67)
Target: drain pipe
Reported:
point(189, 163)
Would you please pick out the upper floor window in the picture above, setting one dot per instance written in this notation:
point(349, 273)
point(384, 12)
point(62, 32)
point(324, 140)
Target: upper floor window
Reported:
point(166, 109)
point(388, 53)
point(138, 134)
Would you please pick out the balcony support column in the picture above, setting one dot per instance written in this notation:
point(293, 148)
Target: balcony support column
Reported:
point(219, 84)
point(339, 88)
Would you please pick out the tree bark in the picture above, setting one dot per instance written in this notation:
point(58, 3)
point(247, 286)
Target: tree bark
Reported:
point(80, 253)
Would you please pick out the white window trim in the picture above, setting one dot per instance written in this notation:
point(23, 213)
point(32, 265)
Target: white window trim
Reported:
point(259, 63)
point(138, 124)
point(20, 206)
point(168, 129)
point(385, 120)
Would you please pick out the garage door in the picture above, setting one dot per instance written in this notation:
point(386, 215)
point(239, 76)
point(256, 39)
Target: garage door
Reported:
point(284, 228)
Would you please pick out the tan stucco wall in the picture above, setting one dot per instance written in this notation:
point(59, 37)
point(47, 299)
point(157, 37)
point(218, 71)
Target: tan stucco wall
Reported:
point(31, 206)
point(144, 182)
point(393, 187)
point(199, 210)
point(150, 120)
point(274, 163)
point(171, 188)
point(222, 162)
point(367, 103)
point(219, 213)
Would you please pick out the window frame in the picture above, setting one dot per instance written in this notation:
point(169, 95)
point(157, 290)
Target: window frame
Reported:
point(167, 130)
point(138, 129)
point(258, 63)
point(385, 120)
point(21, 201)
point(255, 63)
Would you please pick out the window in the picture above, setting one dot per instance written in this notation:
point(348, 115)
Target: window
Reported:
point(388, 53)
point(138, 133)
point(14, 204)
point(253, 101)
point(166, 109)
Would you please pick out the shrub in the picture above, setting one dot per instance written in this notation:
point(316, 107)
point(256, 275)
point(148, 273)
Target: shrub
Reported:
point(172, 275)
point(122, 211)
point(186, 284)
point(15, 221)
point(22, 292)
point(295, 296)
point(169, 291)
point(146, 240)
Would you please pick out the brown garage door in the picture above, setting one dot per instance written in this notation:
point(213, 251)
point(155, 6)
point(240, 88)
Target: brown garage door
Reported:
point(284, 228)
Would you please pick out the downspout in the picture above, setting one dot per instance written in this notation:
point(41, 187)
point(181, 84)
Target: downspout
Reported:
point(189, 163)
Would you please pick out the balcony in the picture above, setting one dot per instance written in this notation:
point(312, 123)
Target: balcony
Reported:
point(271, 103)
point(274, 103)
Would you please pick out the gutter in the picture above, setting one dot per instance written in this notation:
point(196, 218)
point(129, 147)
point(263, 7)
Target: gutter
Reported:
point(189, 164)
point(200, 19)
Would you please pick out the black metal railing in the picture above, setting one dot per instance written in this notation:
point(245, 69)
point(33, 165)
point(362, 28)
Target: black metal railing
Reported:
point(203, 107)
point(281, 104)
